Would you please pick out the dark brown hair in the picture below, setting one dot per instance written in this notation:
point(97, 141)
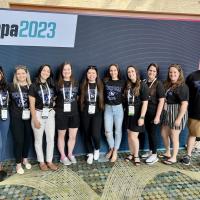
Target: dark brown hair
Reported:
point(156, 66)
point(84, 89)
point(108, 76)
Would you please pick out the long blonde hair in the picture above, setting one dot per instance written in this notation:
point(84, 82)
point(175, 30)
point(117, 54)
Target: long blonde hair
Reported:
point(28, 78)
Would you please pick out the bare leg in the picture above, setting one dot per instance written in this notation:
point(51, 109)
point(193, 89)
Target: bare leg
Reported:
point(61, 143)
point(71, 141)
point(165, 133)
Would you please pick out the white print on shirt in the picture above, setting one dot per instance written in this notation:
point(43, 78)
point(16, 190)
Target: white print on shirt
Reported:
point(17, 99)
point(113, 92)
point(67, 93)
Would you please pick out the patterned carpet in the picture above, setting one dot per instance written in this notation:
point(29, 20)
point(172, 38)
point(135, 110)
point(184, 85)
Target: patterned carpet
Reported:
point(105, 181)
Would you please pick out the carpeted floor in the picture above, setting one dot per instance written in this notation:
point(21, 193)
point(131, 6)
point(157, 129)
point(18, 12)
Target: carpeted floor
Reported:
point(104, 180)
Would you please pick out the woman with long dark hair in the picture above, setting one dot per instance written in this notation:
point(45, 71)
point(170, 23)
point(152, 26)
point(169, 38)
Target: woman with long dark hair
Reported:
point(92, 106)
point(136, 93)
point(67, 116)
point(41, 97)
point(4, 120)
point(177, 96)
point(20, 117)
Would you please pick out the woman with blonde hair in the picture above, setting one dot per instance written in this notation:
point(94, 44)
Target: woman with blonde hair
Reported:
point(20, 117)
point(177, 96)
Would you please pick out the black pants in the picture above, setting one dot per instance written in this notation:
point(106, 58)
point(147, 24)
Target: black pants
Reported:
point(151, 129)
point(91, 125)
point(21, 130)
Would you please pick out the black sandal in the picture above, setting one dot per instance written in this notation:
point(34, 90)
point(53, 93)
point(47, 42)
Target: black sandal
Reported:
point(137, 161)
point(129, 158)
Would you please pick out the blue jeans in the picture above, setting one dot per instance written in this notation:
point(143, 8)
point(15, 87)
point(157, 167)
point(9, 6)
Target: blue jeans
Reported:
point(4, 126)
point(113, 115)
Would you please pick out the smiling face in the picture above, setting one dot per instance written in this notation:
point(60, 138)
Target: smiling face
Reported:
point(91, 75)
point(113, 72)
point(67, 72)
point(21, 75)
point(173, 74)
point(152, 73)
point(45, 73)
point(132, 74)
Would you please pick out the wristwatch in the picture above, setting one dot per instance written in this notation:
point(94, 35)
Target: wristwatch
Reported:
point(141, 117)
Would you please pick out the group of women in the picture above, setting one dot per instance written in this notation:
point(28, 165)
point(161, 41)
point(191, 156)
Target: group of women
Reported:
point(43, 105)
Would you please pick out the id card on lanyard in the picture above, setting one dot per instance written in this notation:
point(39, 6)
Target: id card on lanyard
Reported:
point(45, 110)
point(131, 107)
point(4, 108)
point(67, 104)
point(92, 104)
point(25, 112)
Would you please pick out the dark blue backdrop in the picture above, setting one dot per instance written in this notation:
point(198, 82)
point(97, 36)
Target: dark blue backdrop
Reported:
point(101, 41)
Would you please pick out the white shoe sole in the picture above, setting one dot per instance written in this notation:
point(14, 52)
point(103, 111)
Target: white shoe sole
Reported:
point(151, 163)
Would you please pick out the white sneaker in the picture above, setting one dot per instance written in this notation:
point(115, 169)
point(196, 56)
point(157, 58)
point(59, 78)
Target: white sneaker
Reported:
point(90, 158)
point(27, 165)
point(152, 159)
point(20, 170)
point(73, 159)
point(147, 154)
point(96, 154)
point(65, 161)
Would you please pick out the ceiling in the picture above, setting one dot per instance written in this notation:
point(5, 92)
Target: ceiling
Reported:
point(164, 6)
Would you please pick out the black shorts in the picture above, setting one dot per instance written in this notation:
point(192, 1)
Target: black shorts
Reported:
point(64, 121)
point(132, 124)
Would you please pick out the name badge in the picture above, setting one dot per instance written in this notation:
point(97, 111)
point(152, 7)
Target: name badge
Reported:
point(45, 112)
point(165, 106)
point(26, 114)
point(4, 114)
point(131, 110)
point(91, 109)
point(67, 107)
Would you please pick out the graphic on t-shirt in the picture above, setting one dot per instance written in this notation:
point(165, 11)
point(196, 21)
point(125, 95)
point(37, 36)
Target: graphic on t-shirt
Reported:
point(46, 95)
point(113, 92)
point(17, 99)
point(92, 95)
point(4, 96)
point(197, 85)
point(67, 93)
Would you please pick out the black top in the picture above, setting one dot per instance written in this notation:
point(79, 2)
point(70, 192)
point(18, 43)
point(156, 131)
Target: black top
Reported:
point(193, 82)
point(114, 91)
point(16, 106)
point(156, 91)
point(35, 91)
point(143, 96)
point(177, 95)
point(5, 96)
point(92, 89)
point(72, 100)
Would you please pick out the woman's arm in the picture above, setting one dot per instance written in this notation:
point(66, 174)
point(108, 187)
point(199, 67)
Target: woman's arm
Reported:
point(143, 113)
point(159, 110)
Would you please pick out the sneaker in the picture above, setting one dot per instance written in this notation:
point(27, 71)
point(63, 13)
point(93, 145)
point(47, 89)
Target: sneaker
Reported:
point(147, 154)
point(96, 154)
point(152, 159)
point(73, 159)
point(65, 161)
point(90, 158)
point(20, 170)
point(27, 165)
point(186, 160)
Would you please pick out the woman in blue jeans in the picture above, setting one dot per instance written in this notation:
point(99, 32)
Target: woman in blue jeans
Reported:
point(114, 113)
point(4, 120)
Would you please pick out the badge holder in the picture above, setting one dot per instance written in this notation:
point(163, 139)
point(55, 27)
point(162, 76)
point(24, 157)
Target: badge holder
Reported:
point(4, 113)
point(45, 112)
point(26, 114)
point(131, 110)
point(67, 107)
point(91, 109)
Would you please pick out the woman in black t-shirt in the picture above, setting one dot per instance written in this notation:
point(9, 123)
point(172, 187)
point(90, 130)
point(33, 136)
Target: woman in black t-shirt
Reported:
point(4, 121)
point(41, 97)
point(114, 113)
point(92, 105)
point(154, 110)
point(20, 116)
point(136, 106)
point(177, 96)
point(67, 117)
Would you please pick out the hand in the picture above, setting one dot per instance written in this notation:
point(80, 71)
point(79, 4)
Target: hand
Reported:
point(156, 120)
point(140, 122)
point(37, 124)
point(177, 123)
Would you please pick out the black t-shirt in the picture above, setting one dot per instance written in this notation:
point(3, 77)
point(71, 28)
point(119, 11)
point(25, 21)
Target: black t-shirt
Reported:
point(143, 96)
point(4, 95)
point(114, 91)
point(193, 82)
point(16, 106)
point(92, 100)
point(177, 95)
point(72, 99)
point(156, 91)
point(35, 91)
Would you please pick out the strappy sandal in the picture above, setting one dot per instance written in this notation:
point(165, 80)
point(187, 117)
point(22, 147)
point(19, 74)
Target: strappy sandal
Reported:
point(129, 158)
point(137, 161)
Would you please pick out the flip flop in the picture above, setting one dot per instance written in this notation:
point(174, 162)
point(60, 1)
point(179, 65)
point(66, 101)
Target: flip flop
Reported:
point(129, 158)
point(169, 162)
point(164, 156)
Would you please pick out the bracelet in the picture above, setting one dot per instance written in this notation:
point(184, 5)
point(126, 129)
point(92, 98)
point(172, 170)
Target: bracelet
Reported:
point(141, 117)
